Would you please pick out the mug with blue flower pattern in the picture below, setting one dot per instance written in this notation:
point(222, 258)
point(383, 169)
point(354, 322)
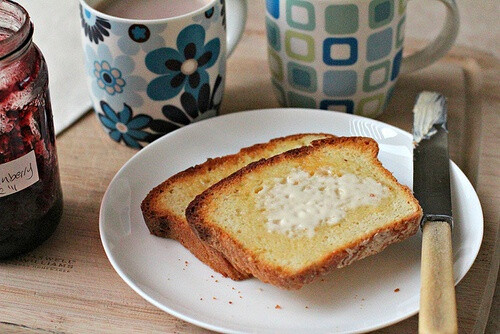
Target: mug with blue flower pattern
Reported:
point(344, 55)
point(150, 77)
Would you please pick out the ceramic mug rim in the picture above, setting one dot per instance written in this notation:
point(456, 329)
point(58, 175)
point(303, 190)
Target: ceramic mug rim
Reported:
point(146, 21)
point(338, 1)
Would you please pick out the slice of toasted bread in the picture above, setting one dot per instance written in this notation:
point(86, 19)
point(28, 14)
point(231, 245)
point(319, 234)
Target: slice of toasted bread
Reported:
point(164, 207)
point(240, 215)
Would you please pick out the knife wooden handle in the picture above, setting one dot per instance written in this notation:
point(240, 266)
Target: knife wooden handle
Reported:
point(438, 309)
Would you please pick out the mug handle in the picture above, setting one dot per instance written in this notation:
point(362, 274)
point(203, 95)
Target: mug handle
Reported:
point(437, 48)
point(235, 22)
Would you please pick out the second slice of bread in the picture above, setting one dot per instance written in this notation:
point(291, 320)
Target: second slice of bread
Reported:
point(228, 216)
point(164, 207)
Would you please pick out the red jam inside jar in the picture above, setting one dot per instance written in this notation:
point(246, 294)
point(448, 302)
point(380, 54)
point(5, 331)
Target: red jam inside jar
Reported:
point(30, 188)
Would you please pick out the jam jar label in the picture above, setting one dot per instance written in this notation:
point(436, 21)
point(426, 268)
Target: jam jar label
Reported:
point(18, 174)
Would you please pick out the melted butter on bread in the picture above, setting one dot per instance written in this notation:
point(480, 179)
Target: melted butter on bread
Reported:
point(298, 203)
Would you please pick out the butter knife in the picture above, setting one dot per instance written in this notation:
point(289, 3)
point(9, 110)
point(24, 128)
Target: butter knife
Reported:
point(431, 185)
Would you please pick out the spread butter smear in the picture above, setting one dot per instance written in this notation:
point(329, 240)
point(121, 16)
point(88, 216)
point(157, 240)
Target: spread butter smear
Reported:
point(298, 203)
point(429, 110)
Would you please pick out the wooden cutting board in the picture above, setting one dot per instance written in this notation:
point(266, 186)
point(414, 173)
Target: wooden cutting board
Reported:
point(68, 285)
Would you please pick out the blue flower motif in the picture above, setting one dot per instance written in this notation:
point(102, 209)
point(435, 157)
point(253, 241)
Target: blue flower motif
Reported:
point(94, 27)
point(185, 67)
point(111, 77)
point(208, 17)
point(145, 37)
point(223, 12)
point(108, 78)
point(123, 126)
point(139, 33)
point(206, 105)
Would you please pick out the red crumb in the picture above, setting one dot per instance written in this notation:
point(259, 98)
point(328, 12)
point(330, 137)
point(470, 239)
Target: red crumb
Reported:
point(396, 290)
point(212, 276)
point(372, 195)
point(278, 307)
point(230, 302)
point(186, 262)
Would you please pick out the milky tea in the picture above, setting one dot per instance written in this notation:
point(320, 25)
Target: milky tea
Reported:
point(149, 9)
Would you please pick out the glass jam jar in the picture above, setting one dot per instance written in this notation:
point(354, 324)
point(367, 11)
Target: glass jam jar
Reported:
point(30, 188)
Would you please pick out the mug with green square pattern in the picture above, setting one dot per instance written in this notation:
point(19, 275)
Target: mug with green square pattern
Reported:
point(344, 55)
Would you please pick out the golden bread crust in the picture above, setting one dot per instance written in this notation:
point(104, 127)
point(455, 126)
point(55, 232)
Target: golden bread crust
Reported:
point(364, 245)
point(162, 220)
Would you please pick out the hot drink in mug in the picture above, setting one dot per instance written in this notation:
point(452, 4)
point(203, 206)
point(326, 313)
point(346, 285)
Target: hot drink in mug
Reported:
point(154, 66)
point(150, 9)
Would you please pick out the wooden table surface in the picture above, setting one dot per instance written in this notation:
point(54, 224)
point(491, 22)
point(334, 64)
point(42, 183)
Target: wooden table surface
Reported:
point(68, 285)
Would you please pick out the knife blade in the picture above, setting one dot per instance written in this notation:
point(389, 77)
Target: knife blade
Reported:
point(431, 169)
point(431, 186)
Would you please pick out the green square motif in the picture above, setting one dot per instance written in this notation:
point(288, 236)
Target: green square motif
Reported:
point(299, 46)
point(400, 34)
point(341, 19)
point(381, 13)
point(302, 77)
point(371, 106)
point(279, 92)
point(300, 15)
point(402, 6)
point(372, 80)
point(275, 65)
point(300, 101)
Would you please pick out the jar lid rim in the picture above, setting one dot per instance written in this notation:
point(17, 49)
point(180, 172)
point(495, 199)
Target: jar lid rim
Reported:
point(23, 32)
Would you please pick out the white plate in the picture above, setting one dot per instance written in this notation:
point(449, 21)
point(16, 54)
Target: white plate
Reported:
point(375, 292)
